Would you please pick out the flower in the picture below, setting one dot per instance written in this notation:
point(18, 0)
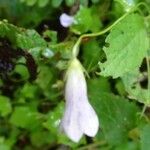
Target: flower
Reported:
point(66, 20)
point(79, 116)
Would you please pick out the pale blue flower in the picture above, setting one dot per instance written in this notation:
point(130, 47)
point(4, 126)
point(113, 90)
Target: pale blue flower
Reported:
point(66, 20)
point(79, 116)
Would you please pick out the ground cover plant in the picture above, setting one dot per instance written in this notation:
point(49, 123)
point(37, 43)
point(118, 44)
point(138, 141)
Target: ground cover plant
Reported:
point(86, 62)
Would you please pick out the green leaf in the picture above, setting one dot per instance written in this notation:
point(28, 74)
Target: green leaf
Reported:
point(42, 3)
point(22, 71)
point(117, 116)
point(127, 46)
point(132, 85)
point(30, 39)
point(120, 88)
point(63, 48)
point(95, 1)
point(28, 91)
point(3, 144)
point(41, 137)
point(8, 30)
point(45, 77)
point(145, 136)
point(5, 106)
point(70, 2)
point(25, 117)
point(84, 21)
point(31, 2)
point(128, 146)
point(100, 82)
point(91, 54)
point(56, 3)
point(84, 2)
point(20, 37)
point(53, 119)
point(127, 4)
point(4, 147)
point(51, 35)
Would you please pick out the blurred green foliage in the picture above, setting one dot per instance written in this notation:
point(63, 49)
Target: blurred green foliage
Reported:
point(31, 111)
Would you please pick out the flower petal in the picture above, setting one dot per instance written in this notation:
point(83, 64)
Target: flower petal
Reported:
point(79, 116)
point(66, 20)
point(76, 88)
point(70, 124)
point(88, 120)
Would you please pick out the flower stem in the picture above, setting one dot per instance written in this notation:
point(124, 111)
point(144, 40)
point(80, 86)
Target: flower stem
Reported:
point(75, 50)
point(76, 46)
point(143, 111)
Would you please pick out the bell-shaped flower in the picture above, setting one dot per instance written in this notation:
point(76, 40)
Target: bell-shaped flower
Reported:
point(66, 20)
point(79, 116)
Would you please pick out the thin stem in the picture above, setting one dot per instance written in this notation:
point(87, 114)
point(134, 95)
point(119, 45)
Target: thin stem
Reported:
point(143, 111)
point(75, 50)
point(76, 46)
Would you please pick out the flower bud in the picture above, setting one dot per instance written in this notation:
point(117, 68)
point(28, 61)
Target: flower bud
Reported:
point(79, 116)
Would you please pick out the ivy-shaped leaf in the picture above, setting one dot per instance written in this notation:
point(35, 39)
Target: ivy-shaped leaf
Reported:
point(127, 46)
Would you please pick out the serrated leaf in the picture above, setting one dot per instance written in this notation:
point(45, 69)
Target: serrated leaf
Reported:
point(128, 43)
point(20, 37)
point(28, 39)
point(7, 30)
point(127, 4)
